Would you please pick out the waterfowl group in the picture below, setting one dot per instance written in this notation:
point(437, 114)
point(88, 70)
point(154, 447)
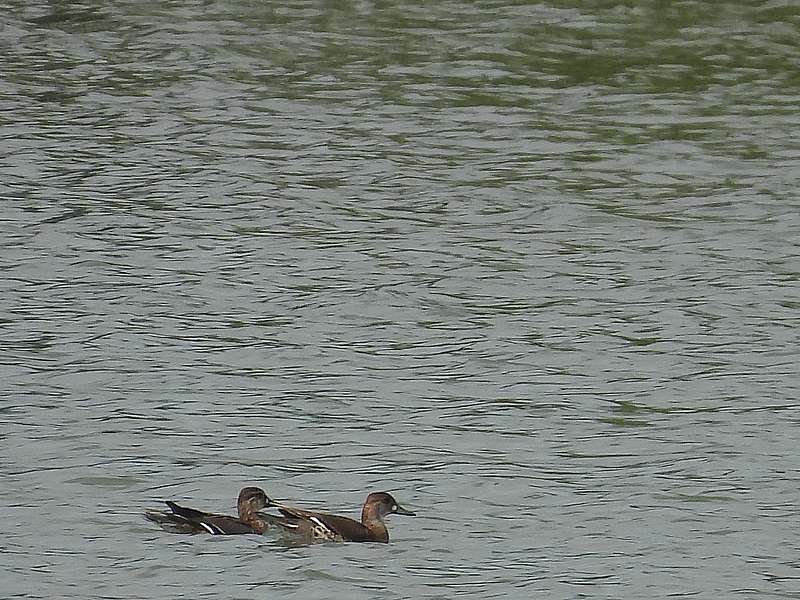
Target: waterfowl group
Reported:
point(305, 524)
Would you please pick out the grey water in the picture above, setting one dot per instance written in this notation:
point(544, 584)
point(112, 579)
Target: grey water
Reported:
point(531, 267)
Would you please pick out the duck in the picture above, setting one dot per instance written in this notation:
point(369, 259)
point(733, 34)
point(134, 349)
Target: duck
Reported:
point(182, 519)
point(320, 526)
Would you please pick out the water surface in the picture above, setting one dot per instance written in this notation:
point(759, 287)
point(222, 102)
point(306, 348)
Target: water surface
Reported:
point(532, 268)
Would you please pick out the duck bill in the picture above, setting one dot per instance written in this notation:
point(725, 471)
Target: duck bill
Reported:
point(403, 511)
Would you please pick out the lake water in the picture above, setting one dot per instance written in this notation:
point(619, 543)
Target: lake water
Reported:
point(533, 268)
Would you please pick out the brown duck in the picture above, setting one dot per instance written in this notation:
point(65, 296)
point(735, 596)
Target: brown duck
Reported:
point(189, 520)
point(317, 526)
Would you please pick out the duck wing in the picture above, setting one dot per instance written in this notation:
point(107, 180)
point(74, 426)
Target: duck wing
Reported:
point(189, 520)
point(186, 512)
point(325, 526)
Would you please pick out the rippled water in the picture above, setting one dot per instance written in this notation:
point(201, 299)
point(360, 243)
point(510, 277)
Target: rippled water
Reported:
point(531, 267)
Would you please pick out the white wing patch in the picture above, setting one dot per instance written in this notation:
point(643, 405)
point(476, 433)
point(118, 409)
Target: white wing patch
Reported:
point(321, 530)
point(209, 528)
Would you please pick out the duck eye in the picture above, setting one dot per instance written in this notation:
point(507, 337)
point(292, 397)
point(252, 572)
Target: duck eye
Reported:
point(394, 507)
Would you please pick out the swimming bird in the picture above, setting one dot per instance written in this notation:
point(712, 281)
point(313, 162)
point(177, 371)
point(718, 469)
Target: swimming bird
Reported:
point(189, 520)
point(318, 526)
